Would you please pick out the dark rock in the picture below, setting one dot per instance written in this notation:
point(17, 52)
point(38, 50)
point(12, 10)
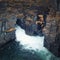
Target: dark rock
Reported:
point(52, 36)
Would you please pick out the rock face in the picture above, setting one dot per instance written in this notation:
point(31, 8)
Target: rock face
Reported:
point(30, 27)
point(52, 33)
point(7, 29)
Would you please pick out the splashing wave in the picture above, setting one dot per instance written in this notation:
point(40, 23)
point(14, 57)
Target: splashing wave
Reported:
point(29, 42)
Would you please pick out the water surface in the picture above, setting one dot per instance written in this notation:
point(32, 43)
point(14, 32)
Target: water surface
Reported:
point(26, 47)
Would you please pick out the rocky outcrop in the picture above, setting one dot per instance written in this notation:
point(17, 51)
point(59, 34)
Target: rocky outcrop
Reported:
point(7, 29)
point(52, 32)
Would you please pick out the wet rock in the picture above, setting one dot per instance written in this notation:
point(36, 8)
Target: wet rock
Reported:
point(52, 39)
point(7, 29)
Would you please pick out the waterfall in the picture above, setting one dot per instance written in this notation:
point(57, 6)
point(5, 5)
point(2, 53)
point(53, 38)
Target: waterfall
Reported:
point(29, 42)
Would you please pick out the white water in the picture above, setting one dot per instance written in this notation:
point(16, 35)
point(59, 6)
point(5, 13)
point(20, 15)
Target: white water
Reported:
point(35, 43)
point(29, 42)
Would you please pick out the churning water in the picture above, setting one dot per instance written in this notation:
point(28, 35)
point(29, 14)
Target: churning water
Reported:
point(29, 42)
point(35, 43)
point(26, 47)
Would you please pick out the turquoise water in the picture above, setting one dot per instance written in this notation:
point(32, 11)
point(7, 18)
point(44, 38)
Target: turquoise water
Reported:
point(23, 50)
point(14, 51)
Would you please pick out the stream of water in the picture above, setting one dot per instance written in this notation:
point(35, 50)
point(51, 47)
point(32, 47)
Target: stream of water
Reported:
point(26, 47)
